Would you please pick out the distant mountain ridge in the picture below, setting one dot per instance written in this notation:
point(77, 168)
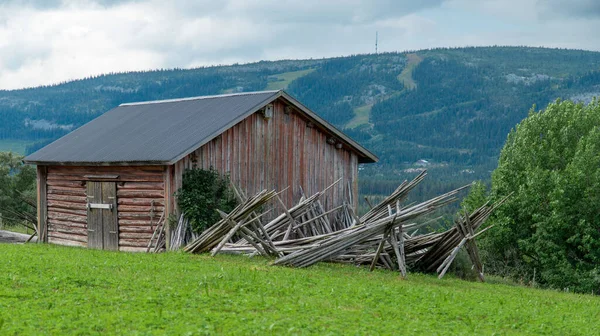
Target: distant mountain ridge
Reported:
point(450, 107)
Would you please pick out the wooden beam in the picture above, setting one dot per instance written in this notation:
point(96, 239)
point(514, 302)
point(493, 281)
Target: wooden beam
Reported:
point(379, 249)
point(42, 204)
point(368, 203)
point(472, 248)
point(170, 203)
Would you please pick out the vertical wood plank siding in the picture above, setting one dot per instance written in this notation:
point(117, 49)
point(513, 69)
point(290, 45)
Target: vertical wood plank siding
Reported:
point(275, 153)
point(139, 190)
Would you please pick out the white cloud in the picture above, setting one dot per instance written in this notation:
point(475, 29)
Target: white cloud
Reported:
point(43, 47)
point(44, 42)
point(509, 10)
point(552, 9)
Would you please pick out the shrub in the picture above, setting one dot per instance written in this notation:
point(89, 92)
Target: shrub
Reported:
point(202, 193)
point(462, 267)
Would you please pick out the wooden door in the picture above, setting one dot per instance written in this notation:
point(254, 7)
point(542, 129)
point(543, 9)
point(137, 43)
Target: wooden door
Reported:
point(103, 227)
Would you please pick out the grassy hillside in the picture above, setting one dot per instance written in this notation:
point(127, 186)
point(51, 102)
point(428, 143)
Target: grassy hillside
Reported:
point(361, 117)
point(451, 107)
point(283, 80)
point(406, 75)
point(57, 290)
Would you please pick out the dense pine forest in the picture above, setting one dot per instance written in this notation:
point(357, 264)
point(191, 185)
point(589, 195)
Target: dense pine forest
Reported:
point(447, 110)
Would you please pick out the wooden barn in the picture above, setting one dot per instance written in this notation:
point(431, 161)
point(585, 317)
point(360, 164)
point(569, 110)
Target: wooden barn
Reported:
point(106, 184)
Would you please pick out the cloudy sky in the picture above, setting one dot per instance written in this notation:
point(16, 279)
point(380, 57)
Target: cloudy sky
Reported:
point(49, 41)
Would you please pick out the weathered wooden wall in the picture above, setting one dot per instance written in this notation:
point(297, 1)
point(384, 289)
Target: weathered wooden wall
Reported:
point(138, 188)
point(285, 150)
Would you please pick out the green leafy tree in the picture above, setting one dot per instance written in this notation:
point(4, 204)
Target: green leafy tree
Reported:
point(551, 223)
point(478, 195)
point(17, 190)
point(202, 193)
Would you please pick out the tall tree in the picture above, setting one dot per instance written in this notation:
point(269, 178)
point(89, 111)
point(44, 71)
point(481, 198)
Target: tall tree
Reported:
point(551, 224)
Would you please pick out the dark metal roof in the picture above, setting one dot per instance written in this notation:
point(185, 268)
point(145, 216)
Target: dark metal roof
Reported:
point(163, 132)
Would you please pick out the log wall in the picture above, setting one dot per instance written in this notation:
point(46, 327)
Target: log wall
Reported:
point(285, 150)
point(139, 191)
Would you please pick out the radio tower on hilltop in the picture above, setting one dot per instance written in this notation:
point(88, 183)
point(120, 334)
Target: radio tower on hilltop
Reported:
point(376, 40)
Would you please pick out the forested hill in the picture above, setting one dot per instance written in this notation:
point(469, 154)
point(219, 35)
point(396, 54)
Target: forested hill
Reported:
point(445, 109)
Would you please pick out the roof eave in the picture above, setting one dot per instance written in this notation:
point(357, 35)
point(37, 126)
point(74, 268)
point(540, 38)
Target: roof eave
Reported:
point(365, 159)
point(96, 164)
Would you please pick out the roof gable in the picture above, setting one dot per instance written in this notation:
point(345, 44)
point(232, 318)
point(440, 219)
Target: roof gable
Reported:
point(162, 132)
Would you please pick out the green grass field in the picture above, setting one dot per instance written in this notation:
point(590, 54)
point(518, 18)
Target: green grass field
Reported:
point(59, 290)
